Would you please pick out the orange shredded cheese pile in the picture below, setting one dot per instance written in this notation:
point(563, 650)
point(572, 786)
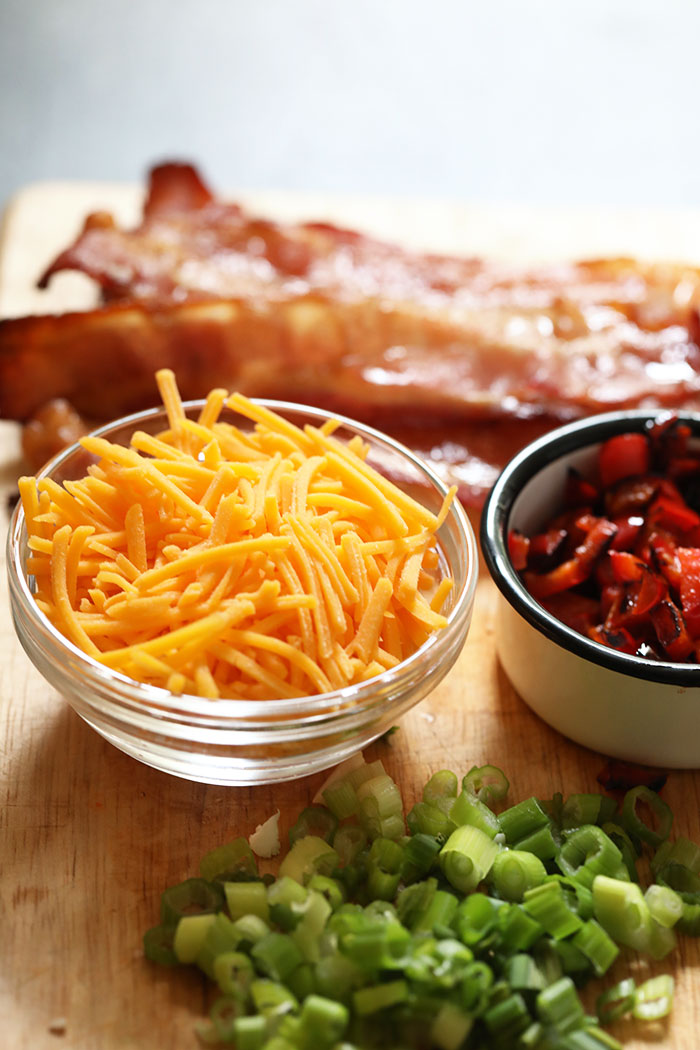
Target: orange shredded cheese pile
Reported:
point(256, 563)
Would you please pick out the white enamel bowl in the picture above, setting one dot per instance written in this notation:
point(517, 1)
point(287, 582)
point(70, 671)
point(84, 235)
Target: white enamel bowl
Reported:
point(640, 710)
point(248, 741)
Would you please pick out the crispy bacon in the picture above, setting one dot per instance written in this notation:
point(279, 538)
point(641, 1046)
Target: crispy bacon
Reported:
point(419, 344)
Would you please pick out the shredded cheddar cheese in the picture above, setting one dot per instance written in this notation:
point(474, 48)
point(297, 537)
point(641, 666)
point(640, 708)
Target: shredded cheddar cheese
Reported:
point(221, 562)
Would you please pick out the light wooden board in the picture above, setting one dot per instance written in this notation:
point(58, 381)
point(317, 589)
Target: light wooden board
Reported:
point(89, 837)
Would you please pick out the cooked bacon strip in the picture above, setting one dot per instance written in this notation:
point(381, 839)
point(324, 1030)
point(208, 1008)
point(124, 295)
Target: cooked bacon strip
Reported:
point(310, 312)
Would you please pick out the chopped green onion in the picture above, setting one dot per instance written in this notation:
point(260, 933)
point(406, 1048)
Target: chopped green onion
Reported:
point(341, 798)
point(654, 999)
point(580, 809)
point(617, 834)
point(230, 862)
point(682, 851)
point(428, 819)
point(442, 784)
point(284, 897)
point(191, 897)
point(467, 857)
point(623, 913)
point(348, 841)
point(223, 1015)
point(617, 1001)
point(586, 852)
point(559, 1005)
point(276, 955)
point(523, 974)
point(450, 1027)
point(381, 807)
point(315, 912)
point(598, 947)
point(419, 855)
point(487, 783)
point(247, 898)
point(190, 933)
point(468, 809)
point(366, 771)
point(589, 1038)
point(440, 912)
point(222, 935)
point(158, 945)
point(518, 930)
point(249, 1033)
point(522, 819)
point(665, 905)
point(548, 906)
point(272, 999)
point(331, 889)
point(233, 972)
point(634, 801)
point(309, 856)
point(323, 1021)
point(541, 842)
point(314, 820)
point(515, 871)
point(507, 1019)
point(383, 940)
point(378, 997)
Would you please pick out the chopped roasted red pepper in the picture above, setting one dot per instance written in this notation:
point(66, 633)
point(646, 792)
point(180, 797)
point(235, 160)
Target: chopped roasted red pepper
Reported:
point(575, 610)
point(626, 567)
point(671, 630)
point(621, 563)
point(630, 496)
point(578, 568)
point(623, 456)
point(673, 514)
point(518, 548)
point(689, 559)
point(628, 528)
point(619, 639)
point(579, 492)
point(545, 545)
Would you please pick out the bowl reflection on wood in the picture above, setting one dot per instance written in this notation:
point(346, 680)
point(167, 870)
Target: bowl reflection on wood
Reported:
point(636, 709)
point(249, 741)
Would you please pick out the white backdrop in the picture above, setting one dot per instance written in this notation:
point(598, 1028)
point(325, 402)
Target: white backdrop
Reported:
point(544, 101)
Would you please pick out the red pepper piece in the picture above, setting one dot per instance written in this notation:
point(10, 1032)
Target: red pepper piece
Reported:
point(671, 631)
point(579, 492)
point(610, 601)
point(626, 567)
point(576, 569)
point(575, 610)
point(630, 496)
point(683, 466)
point(545, 545)
point(689, 559)
point(673, 514)
point(518, 548)
point(638, 599)
point(628, 528)
point(623, 456)
point(661, 553)
point(619, 639)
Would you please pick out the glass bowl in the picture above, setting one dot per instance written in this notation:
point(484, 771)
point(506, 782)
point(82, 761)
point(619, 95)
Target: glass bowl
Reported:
point(625, 706)
point(248, 741)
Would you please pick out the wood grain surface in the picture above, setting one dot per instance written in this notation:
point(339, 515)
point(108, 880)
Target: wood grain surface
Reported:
point(89, 837)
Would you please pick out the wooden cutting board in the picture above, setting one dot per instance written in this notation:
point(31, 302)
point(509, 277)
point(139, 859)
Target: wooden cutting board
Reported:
point(89, 837)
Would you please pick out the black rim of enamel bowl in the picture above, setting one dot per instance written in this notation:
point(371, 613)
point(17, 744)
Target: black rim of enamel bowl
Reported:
point(494, 539)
